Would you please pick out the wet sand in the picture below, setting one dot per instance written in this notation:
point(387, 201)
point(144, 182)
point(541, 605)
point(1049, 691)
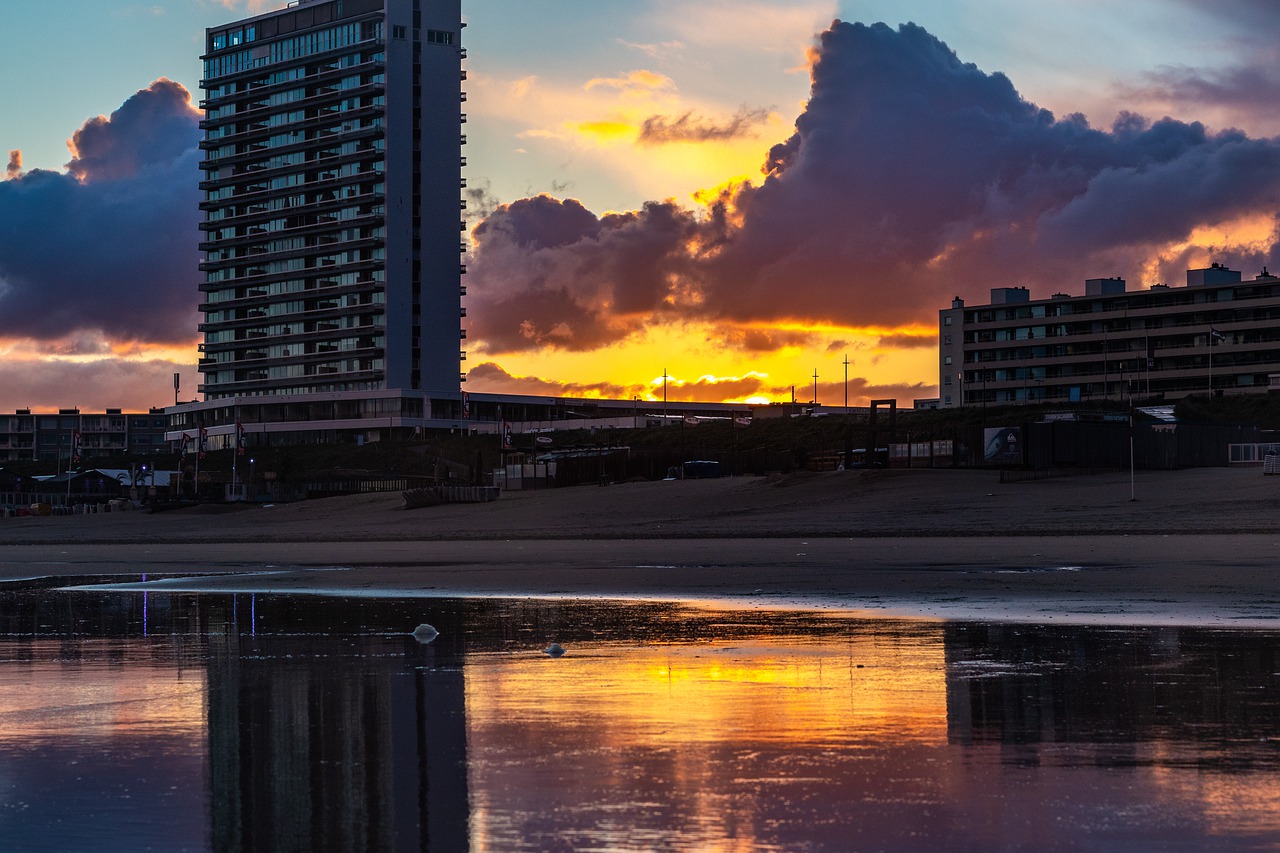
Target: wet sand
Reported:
point(1196, 547)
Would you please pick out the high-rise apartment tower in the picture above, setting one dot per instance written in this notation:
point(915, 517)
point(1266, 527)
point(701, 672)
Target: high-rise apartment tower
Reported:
point(332, 173)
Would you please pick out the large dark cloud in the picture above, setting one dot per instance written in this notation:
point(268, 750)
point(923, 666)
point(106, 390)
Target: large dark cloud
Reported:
point(110, 245)
point(553, 274)
point(155, 126)
point(911, 177)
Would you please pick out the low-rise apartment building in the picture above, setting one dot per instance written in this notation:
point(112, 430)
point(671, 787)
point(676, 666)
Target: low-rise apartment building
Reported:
point(1218, 334)
point(27, 435)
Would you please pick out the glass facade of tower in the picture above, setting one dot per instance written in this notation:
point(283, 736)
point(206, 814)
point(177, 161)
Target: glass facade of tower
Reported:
point(332, 175)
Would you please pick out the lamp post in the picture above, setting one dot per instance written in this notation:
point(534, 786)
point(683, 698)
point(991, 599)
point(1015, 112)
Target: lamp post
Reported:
point(1214, 335)
point(251, 478)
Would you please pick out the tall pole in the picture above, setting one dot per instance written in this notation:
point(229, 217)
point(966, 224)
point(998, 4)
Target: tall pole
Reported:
point(1133, 493)
point(1146, 360)
point(1105, 377)
point(1211, 362)
point(235, 452)
point(846, 383)
point(815, 388)
point(199, 449)
point(664, 396)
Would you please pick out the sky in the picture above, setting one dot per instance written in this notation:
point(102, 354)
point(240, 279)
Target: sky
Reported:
point(739, 193)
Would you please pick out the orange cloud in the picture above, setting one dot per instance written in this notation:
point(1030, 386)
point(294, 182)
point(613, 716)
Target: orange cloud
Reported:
point(94, 385)
point(632, 81)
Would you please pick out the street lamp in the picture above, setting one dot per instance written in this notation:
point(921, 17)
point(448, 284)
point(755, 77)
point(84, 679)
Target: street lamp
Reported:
point(251, 477)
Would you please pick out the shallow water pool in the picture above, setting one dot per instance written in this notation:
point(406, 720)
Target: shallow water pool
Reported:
point(133, 721)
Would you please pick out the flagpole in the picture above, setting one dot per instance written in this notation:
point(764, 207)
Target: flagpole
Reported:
point(1212, 333)
point(235, 451)
point(1133, 489)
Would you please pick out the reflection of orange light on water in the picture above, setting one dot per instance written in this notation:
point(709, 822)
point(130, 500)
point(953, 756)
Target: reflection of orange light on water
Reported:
point(1233, 804)
point(681, 726)
point(760, 691)
point(1242, 804)
point(52, 699)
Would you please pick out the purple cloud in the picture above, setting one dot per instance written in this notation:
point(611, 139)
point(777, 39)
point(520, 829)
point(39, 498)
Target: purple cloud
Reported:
point(110, 245)
point(94, 386)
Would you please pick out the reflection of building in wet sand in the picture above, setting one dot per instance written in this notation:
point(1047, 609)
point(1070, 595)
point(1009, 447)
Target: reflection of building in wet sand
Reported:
point(664, 727)
point(1179, 715)
point(1016, 684)
point(315, 743)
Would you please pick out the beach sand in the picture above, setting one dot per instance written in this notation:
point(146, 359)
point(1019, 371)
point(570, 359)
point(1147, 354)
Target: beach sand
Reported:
point(1195, 547)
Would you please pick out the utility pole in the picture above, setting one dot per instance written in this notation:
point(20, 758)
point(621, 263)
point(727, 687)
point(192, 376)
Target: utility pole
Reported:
point(664, 396)
point(846, 383)
point(815, 388)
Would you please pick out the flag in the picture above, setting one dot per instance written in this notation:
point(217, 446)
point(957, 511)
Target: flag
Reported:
point(182, 452)
point(1214, 334)
point(75, 447)
point(239, 438)
point(506, 436)
point(466, 404)
point(203, 446)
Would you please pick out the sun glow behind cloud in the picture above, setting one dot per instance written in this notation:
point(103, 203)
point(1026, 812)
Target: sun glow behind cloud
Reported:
point(712, 363)
point(854, 239)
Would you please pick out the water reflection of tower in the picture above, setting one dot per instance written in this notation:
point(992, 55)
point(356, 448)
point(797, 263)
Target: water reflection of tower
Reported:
point(334, 740)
